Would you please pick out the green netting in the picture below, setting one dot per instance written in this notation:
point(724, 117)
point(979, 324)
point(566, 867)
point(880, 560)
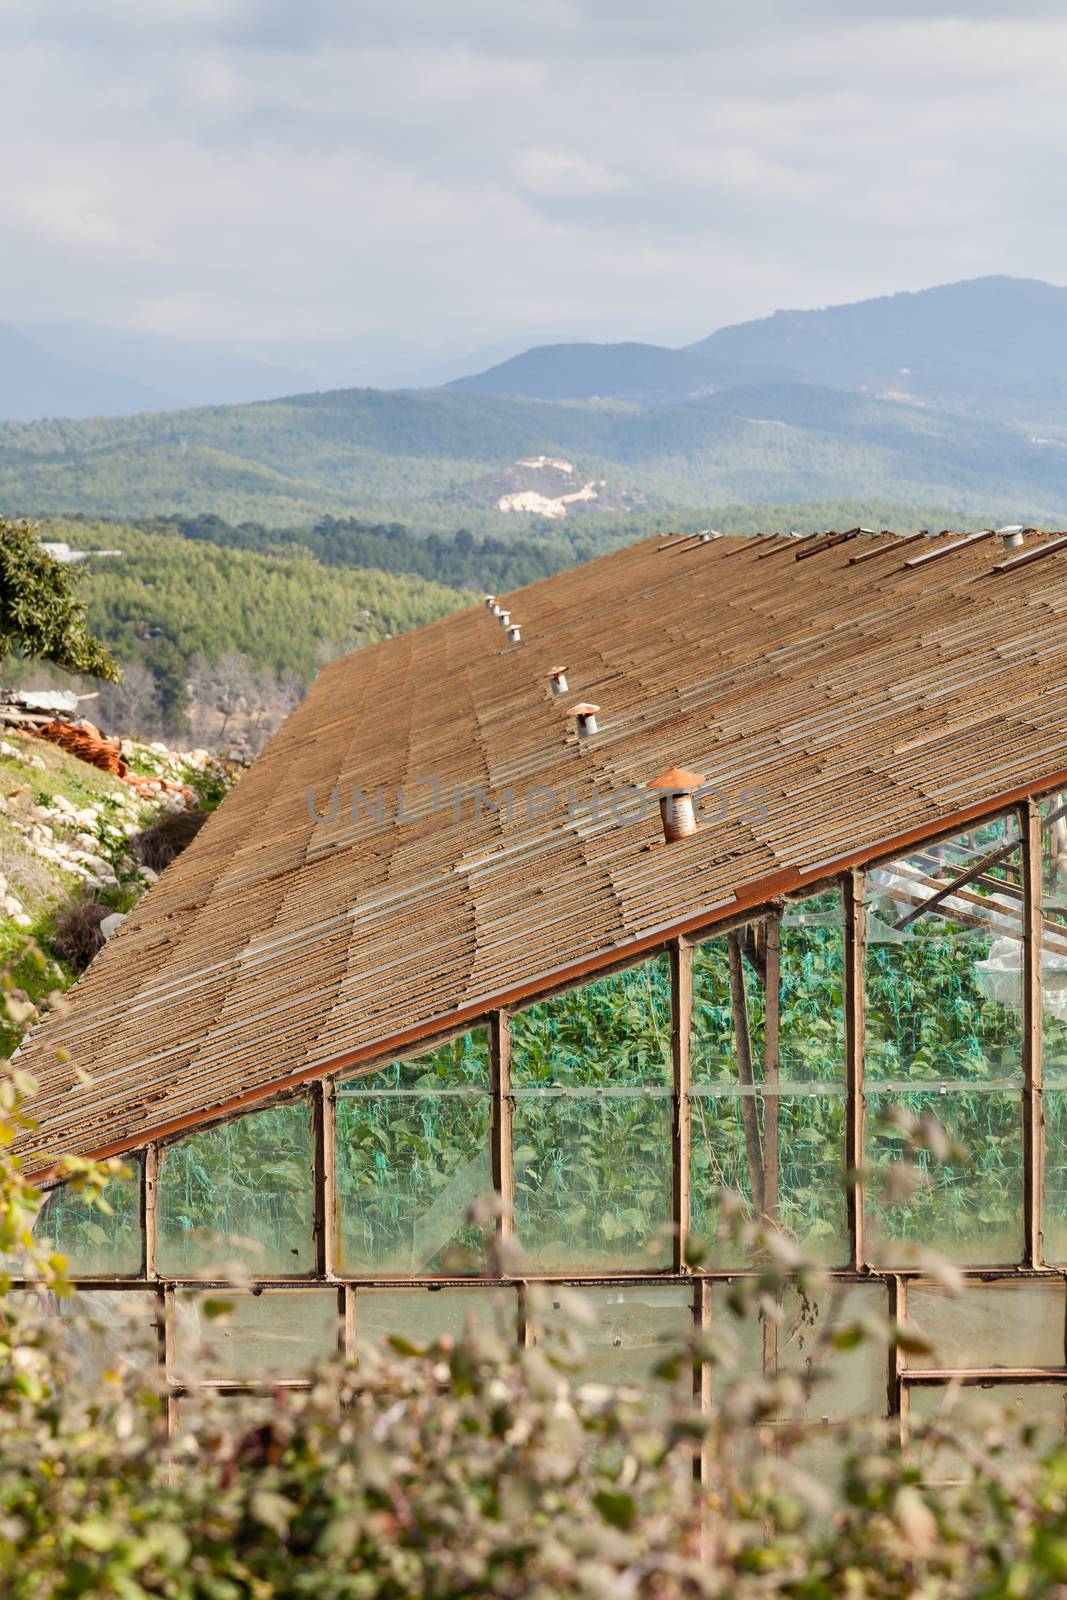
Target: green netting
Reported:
point(616, 1030)
point(713, 1046)
point(593, 1181)
point(971, 1212)
point(811, 1026)
point(808, 1200)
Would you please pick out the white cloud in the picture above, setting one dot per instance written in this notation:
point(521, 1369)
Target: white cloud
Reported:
point(561, 175)
point(449, 177)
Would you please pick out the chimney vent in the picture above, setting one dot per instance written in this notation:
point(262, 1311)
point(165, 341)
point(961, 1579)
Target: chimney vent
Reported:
point(1012, 536)
point(676, 802)
point(505, 618)
point(514, 634)
point(585, 719)
point(558, 680)
point(490, 601)
point(495, 608)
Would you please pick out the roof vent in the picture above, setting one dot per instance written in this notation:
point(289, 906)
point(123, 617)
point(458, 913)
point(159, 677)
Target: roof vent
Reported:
point(585, 719)
point(490, 601)
point(505, 618)
point(496, 608)
point(676, 802)
point(514, 634)
point(1012, 536)
point(558, 679)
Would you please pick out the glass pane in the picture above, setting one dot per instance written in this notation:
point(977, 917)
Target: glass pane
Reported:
point(423, 1315)
point(93, 1241)
point(970, 1212)
point(593, 1181)
point(239, 1194)
point(853, 1383)
point(409, 1164)
point(805, 1193)
point(1055, 1205)
point(1006, 1323)
point(459, 1062)
point(279, 1333)
point(636, 1327)
point(1054, 940)
point(104, 1331)
point(614, 1031)
point(729, 1007)
point(944, 987)
point(1039, 1406)
point(811, 1026)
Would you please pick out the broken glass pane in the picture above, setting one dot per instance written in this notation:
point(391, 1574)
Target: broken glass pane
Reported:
point(239, 1194)
point(944, 961)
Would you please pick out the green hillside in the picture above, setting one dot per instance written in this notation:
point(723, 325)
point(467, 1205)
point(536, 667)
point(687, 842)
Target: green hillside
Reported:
point(406, 456)
point(277, 609)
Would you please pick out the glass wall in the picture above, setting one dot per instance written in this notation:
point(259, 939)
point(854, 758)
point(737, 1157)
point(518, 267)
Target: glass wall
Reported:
point(591, 1129)
point(412, 1156)
point(768, 1105)
point(239, 1195)
point(586, 1105)
point(943, 1049)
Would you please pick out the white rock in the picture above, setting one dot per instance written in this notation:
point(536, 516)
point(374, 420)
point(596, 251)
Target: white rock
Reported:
point(112, 924)
point(149, 876)
point(35, 762)
point(21, 920)
point(10, 751)
point(12, 905)
point(86, 841)
point(160, 749)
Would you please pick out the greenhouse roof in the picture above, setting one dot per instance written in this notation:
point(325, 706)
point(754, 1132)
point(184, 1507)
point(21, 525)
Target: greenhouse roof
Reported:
point(844, 696)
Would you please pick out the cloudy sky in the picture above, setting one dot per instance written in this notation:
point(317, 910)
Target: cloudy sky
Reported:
point(412, 183)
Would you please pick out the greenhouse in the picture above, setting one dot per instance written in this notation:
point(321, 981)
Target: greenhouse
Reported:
point(785, 930)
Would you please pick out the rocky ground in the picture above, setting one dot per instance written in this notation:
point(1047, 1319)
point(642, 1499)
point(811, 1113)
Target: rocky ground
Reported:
point(68, 832)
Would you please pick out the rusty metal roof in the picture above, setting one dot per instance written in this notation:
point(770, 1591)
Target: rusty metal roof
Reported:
point(839, 700)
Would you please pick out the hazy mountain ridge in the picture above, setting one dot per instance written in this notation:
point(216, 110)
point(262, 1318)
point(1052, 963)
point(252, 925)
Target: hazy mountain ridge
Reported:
point(821, 405)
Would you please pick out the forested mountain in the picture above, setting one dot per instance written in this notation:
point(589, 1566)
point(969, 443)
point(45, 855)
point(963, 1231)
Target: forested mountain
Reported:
point(416, 456)
point(166, 602)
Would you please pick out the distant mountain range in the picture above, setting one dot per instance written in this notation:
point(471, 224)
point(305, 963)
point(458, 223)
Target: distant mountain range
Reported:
point(993, 347)
point(948, 397)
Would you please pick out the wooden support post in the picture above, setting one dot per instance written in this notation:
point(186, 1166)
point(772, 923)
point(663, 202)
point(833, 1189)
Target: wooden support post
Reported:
point(149, 1189)
point(500, 1151)
point(525, 1332)
point(324, 1174)
point(855, 946)
point(1033, 1072)
point(702, 1376)
point(170, 1398)
point(772, 1013)
point(348, 1322)
point(898, 1310)
point(681, 963)
point(746, 1073)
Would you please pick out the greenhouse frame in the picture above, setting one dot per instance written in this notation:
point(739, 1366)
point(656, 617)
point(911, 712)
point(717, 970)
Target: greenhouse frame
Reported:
point(840, 996)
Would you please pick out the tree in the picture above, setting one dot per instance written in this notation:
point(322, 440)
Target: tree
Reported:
point(39, 611)
point(132, 705)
